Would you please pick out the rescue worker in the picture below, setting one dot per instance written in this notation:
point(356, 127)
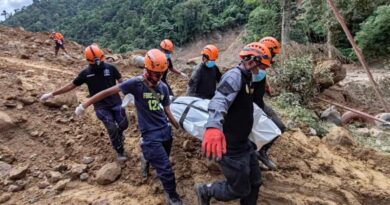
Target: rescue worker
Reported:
point(59, 41)
point(152, 104)
point(167, 47)
point(99, 75)
point(263, 87)
point(206, 75)
point(226, 137)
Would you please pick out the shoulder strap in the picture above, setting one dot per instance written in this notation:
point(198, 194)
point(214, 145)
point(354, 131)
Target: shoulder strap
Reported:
point(156, 95)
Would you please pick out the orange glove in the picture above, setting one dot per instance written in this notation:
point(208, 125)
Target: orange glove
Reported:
point(214, 143)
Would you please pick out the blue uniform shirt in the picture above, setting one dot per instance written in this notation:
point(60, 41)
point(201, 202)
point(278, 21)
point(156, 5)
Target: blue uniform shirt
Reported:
point(151, 115)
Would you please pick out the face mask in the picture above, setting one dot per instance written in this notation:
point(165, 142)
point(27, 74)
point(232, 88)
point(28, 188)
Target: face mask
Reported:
point(259, 76)
point(210, 64)
point(168, 55)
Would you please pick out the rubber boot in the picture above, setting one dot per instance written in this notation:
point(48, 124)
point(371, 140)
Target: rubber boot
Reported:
point(263, 157)
point(202, 194)
point(173, 199)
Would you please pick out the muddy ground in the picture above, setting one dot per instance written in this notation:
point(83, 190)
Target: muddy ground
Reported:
point(48, 138)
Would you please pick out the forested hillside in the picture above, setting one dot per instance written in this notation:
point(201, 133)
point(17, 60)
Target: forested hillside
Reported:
point(123, 25)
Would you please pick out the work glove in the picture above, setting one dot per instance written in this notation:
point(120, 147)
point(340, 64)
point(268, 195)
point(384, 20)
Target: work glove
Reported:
point(214, 143)
point(46, 96)
point(128, 99)
point(184, 75)
point(79, 110)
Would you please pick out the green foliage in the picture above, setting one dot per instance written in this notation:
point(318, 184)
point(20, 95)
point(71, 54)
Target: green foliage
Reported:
point(264, 20)
point(295, 76)
point(374, 37)
point(123, 25)
point(290, 106)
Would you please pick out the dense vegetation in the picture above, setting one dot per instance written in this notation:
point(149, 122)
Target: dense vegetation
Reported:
point(123, 25)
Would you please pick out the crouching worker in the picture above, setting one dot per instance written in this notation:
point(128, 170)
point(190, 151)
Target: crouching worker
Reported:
point(98, 76)
point(152, 102)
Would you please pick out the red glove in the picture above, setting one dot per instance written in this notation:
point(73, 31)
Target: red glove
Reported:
point(214, 143)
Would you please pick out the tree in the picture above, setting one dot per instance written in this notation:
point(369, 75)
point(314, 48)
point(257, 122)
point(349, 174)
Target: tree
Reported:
point(4, 13)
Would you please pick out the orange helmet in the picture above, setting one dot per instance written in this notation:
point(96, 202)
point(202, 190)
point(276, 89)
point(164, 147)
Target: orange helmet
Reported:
point(156, 61)
point(93, 54)
point(167, 45)
point(258, 50)
point(211, 52)
point(272, 44)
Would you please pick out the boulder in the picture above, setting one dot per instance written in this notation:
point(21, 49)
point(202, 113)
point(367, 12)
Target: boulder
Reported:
point(331, 115)
point(328, 73)
point(385, 117)
point(43, 184)
point(87, 160)
point(54, 176)
point(76, 170)
point(68, 99)
point(18, 172)
point(5, 122)
point(339, 136)
point(61, 185)
point(84, 177)
point(108, 173)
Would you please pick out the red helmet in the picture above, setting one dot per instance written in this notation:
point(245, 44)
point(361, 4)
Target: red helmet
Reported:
point(211, 52)
point(259, 50)
point(93, 53)
point(167, 45)
point(272, 44)
point(156, 61)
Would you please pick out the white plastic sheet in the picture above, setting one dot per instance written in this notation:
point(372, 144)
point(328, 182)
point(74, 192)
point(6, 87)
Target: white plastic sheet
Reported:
point(191, 113)
point(264, 129)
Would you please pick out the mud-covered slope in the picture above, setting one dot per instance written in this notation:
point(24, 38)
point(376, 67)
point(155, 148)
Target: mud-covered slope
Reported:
point(49, 138)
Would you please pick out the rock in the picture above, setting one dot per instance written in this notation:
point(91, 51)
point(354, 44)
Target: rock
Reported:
point(61, 168)
point(385, 117)
point(68, 99)
point(87, 160)
point(6, 155)
point(331, 115)
point(18, 172)
point(15, 188)
point(5, 169)
point(24, 56)
point(108, 173)
point(328, 73)
point(27, 100)
point(77, 170)
point(84, 177)
point(5, 122)
point(312, 132)
point(54, 177)
point(186, 145)
point(339, 136)
point(43, 184)
point(34, 133)
point(4, 198)
point(61, 185)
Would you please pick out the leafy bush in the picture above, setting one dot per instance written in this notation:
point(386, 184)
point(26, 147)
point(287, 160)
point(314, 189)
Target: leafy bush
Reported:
point(295, 76)
point(374, 36)
point(262, 22)
point(289, 105)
